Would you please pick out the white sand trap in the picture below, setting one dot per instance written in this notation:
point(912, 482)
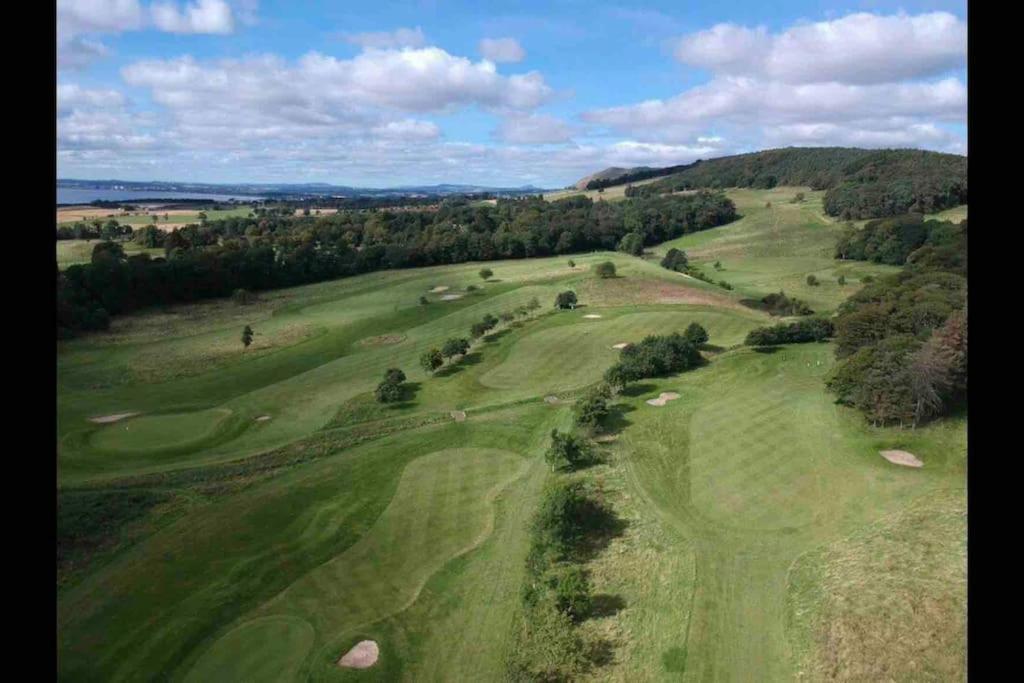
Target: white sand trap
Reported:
point(663, 398)
point(553, 400)
point(901, 458)
point(591, 315)
point(262, 418)
point(362, 656)
point(620, 345)
point(459, 415)
point(439, 289)
point(107, 419)
point(451, 297)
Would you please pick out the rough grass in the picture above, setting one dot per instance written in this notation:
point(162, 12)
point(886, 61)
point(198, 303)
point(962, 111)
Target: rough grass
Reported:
point(888, 603)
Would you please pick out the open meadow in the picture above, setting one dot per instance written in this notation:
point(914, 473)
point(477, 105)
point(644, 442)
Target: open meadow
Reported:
point(250, 513)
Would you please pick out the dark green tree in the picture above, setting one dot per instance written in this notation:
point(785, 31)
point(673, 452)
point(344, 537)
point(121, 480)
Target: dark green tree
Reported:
point(247, 336)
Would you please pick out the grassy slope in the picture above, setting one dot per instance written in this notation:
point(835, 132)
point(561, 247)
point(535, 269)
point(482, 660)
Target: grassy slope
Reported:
point(721, 490)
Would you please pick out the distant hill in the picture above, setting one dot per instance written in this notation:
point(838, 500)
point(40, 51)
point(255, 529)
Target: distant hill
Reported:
point(859, 183)
point(618, 176)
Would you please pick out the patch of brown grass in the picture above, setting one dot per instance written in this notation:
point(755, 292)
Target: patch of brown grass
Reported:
point(889, 604)
point(622, 291)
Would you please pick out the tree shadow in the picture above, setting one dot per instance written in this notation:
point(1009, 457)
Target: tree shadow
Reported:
point(712, 348)
point(605, 605)
point(600, 652)
point(496, 336)
point(766, 349)
point(470, 359)
point(616, 420)
point(634, 390)
point(408, 399)
point(603, 525)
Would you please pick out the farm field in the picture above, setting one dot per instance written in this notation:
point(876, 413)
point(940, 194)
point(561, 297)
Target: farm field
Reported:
point(251, 514)
point(166, 219)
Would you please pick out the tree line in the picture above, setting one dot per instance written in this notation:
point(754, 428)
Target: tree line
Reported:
point(267, 252)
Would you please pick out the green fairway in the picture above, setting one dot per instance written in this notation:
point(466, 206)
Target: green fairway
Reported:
point(260, 512)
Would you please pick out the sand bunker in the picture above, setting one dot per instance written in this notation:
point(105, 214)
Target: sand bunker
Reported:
point(553, 400)
point(663, 398)
point(362, 656)
point(439, 289)
point(591, 315)
point(450, 297)
point(901, 458)
point(459, 415)
point(107, 419)
point(262, 418)
point(620, 345)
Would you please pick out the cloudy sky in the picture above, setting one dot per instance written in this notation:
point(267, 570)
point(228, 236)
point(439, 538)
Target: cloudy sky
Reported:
point(390, 93)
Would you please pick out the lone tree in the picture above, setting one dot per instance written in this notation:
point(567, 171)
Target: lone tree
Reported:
point(566, 300)
point(486, 273)
point(247, 336)
point(841, 280)
point(431, 360)
point(567, 451)
point(812, 280)
point(424, 301)
point(696, 334)
point(572, 264)
point(605, 270)
point(675, 259)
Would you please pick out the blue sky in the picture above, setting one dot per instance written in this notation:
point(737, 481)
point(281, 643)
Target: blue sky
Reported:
point(390, 93)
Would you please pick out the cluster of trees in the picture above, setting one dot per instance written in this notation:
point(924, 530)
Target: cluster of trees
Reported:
point(269, 252)
point(859, 183)
point(799, 332)
point(591, 409)
point(568, 451)
point(893, 240)
point(657, 356)
point(777, 303)
point(557, 595)
point(94, 230)
point(390, 390)
point(901, 341)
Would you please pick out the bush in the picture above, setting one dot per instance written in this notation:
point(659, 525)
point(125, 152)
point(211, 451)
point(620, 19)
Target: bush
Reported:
point(812, 330)
point(632, 243)
point(696, 334)
point(654, 356)
point(567, 451)
point(566, 300)
point(780, 304)
point(455, 347)
point(812, 281)
point(605, 270)
point(572, 264)
point(431, 360)
point(572, 593)
point(394, 375)
point(592, 408)
point(424, 301)
point(486, 273)
point(675, 259)
point(388, 392)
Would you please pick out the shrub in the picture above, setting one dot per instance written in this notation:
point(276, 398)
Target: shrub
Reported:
point(632, 243)
point(394, 376)
point(567, 451)
point(572, 592)
point(675, 259)
point(431, 360)
point(801, 331)
point(592, 408)
point(605, 270)
point(566, 300)
point(696, 334)
point(455, 347)
point(486, 273)
point(424, 301)
point(812, 280)
point(572, 264)
point(388, 392)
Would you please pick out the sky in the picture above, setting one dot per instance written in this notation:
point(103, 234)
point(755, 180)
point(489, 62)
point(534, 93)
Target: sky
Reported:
point(379, 94)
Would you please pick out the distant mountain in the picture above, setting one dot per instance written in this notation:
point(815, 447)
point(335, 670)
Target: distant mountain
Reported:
point(292, 190)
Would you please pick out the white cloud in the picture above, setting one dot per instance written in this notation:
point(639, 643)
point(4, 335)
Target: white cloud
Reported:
point(72, 96)
point(202, 16)
point(862, 79)
point(408, 130)
point(535, 129)
point(402, 37)
point(500, 50)
point(859, 48)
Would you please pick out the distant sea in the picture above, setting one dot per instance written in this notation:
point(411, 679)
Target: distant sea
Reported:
point(77, 195)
